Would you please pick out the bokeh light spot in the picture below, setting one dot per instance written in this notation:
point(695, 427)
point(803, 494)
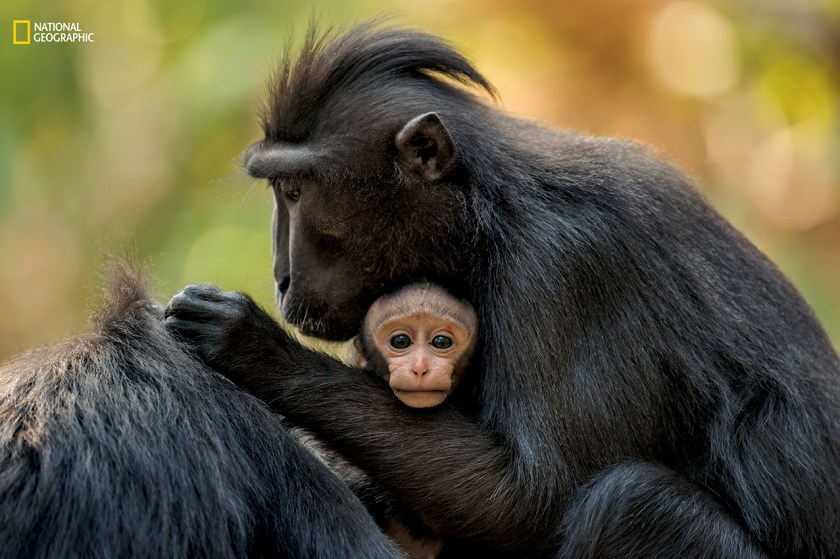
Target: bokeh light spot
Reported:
point(693, 50)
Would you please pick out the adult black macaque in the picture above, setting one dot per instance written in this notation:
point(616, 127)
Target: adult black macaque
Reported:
point(121, 443)
point(650, 385)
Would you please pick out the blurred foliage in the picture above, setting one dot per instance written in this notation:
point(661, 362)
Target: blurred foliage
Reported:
point(134, 140)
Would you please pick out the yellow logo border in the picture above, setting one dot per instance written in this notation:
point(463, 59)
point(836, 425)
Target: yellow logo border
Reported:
point(15, 24)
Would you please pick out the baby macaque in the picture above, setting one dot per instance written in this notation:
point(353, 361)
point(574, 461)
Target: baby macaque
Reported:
point(419, 339)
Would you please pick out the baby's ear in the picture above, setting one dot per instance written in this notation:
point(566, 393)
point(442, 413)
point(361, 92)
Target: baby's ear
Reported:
point(357, 358)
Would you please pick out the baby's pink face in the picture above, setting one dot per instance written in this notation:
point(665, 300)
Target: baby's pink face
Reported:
point(422, 352)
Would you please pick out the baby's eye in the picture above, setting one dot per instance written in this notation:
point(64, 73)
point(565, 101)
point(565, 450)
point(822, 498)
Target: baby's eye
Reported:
point(441, 342)
point(400, 341)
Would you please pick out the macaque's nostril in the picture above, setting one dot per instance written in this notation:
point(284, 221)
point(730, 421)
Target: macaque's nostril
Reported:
point(283, 286)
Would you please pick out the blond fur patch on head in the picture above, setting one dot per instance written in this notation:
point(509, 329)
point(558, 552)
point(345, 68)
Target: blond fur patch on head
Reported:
point(418, 300)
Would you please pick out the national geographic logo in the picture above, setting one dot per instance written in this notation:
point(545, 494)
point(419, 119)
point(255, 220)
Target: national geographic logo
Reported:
point(25, 32)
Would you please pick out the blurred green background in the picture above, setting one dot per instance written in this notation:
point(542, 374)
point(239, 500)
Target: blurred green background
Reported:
point(135, 139)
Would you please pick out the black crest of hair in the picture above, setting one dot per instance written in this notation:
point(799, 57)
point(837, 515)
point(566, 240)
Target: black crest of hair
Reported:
point(332, 66)
point(119, 443)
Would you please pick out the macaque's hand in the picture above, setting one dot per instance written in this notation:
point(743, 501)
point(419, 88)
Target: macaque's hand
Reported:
point(229, 332)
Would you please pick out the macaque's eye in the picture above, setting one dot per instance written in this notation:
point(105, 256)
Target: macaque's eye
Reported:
point(292, 195)
point(441, 342)
point(400, 341)
point(291, 191)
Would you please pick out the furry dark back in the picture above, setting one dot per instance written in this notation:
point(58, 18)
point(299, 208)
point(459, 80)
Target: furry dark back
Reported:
point(120, 443)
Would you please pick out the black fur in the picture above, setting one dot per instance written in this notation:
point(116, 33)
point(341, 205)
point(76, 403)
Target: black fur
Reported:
point(121, 444)
point(649, 383)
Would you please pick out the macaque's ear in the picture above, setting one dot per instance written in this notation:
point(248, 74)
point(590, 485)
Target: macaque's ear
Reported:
point(358, 355)
point(425, 148)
